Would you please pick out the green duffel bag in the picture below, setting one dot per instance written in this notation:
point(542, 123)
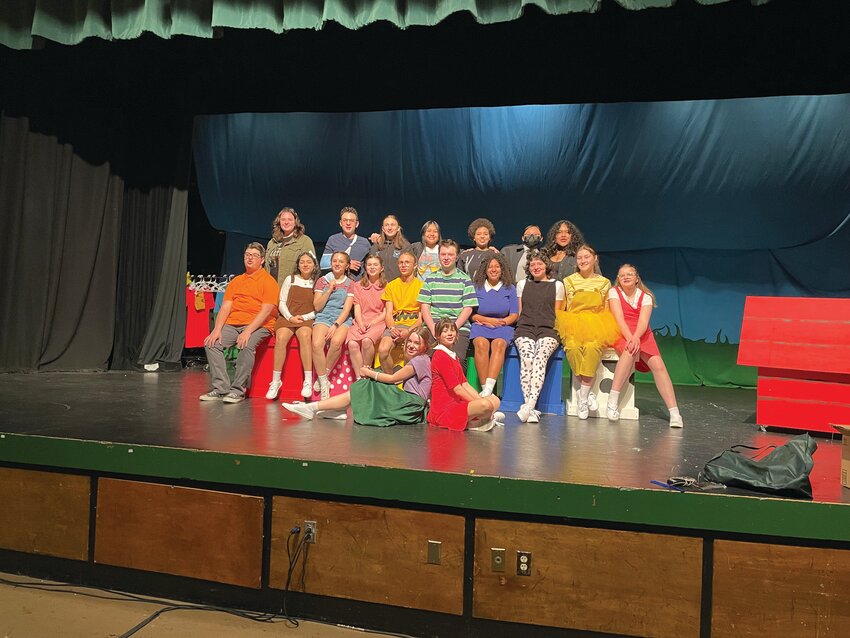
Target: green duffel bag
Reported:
point(783, 472)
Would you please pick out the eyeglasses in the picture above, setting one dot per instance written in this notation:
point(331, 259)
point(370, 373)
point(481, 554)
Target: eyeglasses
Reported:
point(348, 220)
point(253, 256)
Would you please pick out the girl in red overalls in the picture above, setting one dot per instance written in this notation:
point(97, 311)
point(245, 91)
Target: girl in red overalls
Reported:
point(631, 304)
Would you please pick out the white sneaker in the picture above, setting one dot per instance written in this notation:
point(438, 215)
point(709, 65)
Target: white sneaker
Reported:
point(499, 418)
point(524, 412)
point(325, 389)
point(676, 422)
point(534, 416)
point(274, 390)
point(316, 386)
point(592, 403)
point(307, 410)
point(336, 415)
point(486, 427)
point(486, 392)
point(583, 409)
point(307, 389)
point(613, 413)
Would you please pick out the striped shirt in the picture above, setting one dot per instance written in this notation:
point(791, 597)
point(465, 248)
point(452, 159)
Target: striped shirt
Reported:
point(448, 295)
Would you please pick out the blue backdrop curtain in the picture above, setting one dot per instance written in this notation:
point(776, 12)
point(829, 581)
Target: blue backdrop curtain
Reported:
point(712, 200)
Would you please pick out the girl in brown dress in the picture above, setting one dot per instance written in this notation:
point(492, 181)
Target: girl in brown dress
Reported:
point(296, 318)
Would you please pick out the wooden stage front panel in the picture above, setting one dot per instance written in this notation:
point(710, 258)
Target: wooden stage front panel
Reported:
point(631, 583)
point(371, 553)
point(44, 513)
point(215, 536)
point(779, 590)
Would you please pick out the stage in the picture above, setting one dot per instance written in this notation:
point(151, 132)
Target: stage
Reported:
point(135, 450)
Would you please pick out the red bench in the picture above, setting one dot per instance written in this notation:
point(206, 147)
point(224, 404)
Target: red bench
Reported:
point(292, 374)
point(801, 347)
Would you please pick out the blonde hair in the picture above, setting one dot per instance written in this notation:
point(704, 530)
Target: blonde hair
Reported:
point(638, 283)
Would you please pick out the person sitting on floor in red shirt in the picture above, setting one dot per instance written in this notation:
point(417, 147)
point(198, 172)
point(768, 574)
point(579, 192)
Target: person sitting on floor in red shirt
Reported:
point(246, 318)
point(454, 403)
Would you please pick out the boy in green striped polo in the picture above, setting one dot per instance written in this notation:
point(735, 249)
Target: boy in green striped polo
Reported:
point(449, 293)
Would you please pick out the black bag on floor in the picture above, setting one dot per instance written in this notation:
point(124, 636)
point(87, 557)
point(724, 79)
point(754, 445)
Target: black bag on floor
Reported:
point(783, 472)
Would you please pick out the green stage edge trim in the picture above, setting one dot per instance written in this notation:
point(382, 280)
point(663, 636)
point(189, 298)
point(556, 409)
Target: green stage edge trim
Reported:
point(655, 508)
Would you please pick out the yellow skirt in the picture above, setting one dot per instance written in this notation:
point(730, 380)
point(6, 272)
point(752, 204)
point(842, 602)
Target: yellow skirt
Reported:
point(587, 326)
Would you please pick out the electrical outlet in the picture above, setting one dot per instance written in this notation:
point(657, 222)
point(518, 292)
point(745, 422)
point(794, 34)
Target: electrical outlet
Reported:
point(310, 531)
point(523, 563)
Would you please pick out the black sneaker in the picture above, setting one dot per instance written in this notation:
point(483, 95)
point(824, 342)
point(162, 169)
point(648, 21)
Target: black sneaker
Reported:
point(233, 397)
point(212, 395)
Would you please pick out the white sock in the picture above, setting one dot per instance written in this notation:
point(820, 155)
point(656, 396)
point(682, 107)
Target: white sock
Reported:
point(613, 399)
point(275, 376)
point(308, 376)
point(674, 412)
point(584, 392)
point(489, 384)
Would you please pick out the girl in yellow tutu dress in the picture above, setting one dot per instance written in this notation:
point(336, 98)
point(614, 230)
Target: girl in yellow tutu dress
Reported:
point(587, 327)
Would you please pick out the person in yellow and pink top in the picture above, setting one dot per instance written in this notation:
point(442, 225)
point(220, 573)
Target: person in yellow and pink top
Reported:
point(587, 327)
point(402, 309)
point(369, 313)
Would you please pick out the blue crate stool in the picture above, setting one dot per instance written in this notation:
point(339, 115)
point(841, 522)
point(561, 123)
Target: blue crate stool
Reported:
point(551, 400)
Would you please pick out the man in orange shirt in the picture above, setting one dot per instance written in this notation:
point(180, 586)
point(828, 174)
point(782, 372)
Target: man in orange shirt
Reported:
point(246, 318)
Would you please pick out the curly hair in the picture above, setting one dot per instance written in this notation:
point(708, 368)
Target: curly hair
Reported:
point(478, 223)
point(315, 273)
point(507, 277)
point(277, 232)
point(539, 255)
point(576, 238)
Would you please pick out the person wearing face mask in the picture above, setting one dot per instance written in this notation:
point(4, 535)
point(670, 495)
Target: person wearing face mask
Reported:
point(517, 254)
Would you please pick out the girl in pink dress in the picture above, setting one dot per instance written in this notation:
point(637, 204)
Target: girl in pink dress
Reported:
point(369, 314)
point(631, 303)
point(454, 403)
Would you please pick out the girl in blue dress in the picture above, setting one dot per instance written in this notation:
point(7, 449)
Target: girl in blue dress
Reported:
point(333, 317)
point(494, 319)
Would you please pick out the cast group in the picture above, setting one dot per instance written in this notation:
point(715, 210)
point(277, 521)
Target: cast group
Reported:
point(412, 308)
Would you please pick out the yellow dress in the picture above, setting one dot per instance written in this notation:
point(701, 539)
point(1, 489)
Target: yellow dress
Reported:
point(587, 327)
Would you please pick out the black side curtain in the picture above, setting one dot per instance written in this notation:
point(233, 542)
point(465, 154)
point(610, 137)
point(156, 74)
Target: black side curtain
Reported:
point(151, 311)
point(94, 260)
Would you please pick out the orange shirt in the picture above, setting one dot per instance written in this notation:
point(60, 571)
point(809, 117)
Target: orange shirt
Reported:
point(248, 293)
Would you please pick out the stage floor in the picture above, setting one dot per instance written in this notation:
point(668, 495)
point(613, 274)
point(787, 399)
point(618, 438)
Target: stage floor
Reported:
point(162, 410)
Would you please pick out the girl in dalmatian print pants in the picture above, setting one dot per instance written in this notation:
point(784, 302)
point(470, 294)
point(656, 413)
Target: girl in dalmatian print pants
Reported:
point(535, 337)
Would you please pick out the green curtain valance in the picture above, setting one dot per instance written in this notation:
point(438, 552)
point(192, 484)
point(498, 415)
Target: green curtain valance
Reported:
point(71, 21)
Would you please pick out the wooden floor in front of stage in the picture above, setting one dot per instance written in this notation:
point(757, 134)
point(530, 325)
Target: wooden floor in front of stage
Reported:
point(163, 410)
